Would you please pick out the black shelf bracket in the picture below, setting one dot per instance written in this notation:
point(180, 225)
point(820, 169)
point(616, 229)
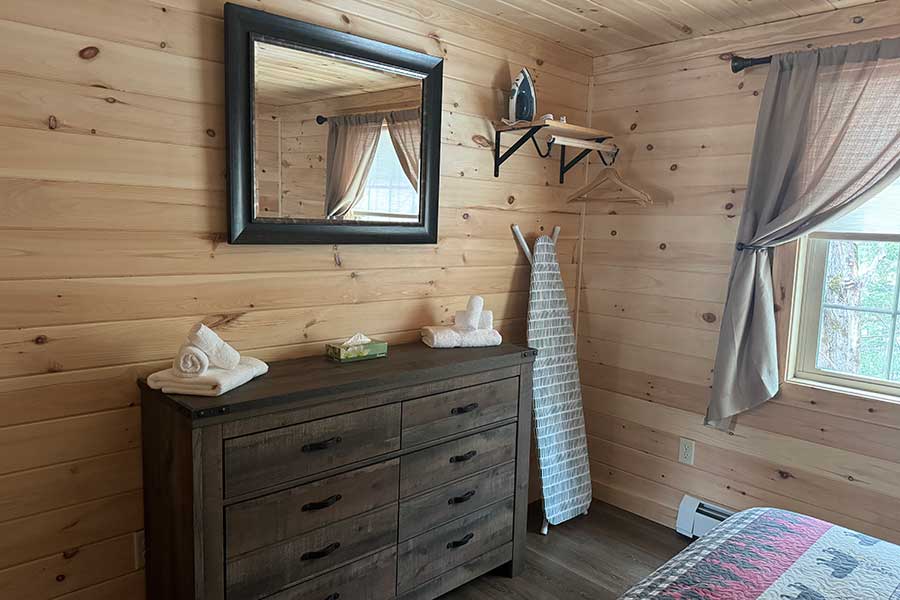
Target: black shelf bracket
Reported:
point(499, 159)
point(530, 132)
point(565, 167)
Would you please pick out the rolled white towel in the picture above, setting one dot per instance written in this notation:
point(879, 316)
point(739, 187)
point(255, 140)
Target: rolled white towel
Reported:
point(440, 337)
point(487, 320)
point(480, 338)
point(220, 353)
point(214, 382)
point(464, 320)
point(469, 319)
point(191, 361)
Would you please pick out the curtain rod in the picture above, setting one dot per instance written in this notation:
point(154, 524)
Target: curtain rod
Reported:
point(739, 63)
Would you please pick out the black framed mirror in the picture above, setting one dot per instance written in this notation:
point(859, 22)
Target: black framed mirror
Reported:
point(332, 138)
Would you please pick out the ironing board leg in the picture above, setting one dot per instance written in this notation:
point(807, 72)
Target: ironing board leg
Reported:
point(545, 527)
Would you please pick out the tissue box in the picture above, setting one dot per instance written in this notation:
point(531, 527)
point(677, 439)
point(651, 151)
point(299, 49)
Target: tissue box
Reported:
point(339, 353)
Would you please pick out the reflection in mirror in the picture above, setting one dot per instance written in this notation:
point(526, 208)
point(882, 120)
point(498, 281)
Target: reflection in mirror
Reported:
point(335, 140)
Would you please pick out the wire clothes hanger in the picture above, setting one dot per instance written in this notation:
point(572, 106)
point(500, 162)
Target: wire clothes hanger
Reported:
point(609, 173)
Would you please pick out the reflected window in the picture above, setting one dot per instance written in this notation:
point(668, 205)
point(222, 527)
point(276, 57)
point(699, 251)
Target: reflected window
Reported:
point(388, 195)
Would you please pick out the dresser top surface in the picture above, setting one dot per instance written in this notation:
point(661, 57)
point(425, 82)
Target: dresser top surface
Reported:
point(294, 380)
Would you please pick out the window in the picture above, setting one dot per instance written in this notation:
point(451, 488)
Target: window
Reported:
point(388, 195)
point(849, 324)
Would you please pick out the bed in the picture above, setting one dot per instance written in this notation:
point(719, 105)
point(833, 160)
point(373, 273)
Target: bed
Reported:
point(771, 554)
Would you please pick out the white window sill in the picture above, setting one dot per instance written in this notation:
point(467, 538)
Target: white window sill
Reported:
point(844, 389)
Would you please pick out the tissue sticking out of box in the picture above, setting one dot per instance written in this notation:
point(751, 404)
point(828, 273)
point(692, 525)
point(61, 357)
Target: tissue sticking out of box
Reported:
point(358, 339)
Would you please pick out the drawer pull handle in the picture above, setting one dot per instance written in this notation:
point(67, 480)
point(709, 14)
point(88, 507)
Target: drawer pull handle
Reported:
point(320, 553)
point(460, 499)
point(463, 457)
point(460, 410)
point(334, 596)
point(321, 504)
point(323, 445)
point(460, 543)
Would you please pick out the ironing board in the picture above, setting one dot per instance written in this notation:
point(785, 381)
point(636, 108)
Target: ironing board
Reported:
point(558, 414)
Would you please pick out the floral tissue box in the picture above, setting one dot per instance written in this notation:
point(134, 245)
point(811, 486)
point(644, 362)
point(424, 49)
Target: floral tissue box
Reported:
point(359, 347)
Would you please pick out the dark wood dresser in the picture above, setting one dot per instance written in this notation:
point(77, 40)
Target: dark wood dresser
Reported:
point(402, 477)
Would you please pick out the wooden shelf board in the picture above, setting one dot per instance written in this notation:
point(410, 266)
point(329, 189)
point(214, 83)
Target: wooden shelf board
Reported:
point(558, 128)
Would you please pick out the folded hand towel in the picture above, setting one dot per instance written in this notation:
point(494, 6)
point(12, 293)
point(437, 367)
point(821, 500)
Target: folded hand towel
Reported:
point(215, 382)
point(487, 320)
point(480, 338)
point(220, 354)
point(191, 361)
point(440, 337)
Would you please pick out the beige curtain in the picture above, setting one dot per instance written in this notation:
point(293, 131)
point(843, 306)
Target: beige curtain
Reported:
point(405, 127)
point(827, 140)
point(351, 149)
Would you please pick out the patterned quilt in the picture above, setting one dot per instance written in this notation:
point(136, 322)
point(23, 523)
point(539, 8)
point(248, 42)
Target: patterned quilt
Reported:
point(770, 554)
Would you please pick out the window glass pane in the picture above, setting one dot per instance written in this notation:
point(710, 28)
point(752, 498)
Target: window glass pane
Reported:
point(861, 274)
point(854, 342)
point(895, 369)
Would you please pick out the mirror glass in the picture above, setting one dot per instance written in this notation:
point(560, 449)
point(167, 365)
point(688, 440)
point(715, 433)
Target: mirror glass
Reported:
point(335, 139)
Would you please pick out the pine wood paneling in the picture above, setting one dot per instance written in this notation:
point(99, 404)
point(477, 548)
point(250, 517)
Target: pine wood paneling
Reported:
point(113, 224)
point(654, 286)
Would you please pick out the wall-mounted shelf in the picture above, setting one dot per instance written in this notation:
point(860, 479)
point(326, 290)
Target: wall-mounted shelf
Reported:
point(561, 134)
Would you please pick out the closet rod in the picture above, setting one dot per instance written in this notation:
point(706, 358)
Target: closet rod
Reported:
point(739, 63)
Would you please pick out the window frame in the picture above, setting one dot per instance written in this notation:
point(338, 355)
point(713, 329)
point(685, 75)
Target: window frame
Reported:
point(810, 262)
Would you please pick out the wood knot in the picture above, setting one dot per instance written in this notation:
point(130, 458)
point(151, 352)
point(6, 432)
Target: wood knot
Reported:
point(89, 52)
point(687, 29)
point(663, 246)
point(211, 133)
point(110, 100)
point(857, 20)
point(614, 233)
point(60, 578)
point(729, 206)
point(649, 147)
point(539, 61)
point(465, 216)
point(345, 19)
point(673, 167)
point(69, 554)
point(482, 141)
point(741, 85)
point(708, 317)
point(162, 44)
point(727, 56)
point(633, 126)
point(41, 339)
point(52, 123)
point(511, 200)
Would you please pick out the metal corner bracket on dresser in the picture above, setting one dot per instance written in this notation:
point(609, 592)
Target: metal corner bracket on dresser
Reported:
point(402, 477)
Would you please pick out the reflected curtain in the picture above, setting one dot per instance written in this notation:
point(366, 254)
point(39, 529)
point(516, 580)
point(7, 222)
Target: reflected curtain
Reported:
point(405, 127)
point(827, 140)
point(352, 140)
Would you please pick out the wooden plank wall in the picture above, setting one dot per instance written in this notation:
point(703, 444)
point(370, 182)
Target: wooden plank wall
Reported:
point(654, 286)
point(113, 226)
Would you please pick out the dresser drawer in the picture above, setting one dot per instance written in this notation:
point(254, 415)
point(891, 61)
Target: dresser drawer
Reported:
point(262, 521)
point(370, 578)
point(424, 557)
point(273, 568)
point(426, 511)
point(252, 462)
point(433, 417)
point(426, 469)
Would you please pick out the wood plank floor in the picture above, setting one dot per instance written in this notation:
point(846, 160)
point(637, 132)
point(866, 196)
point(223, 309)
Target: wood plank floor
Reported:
point(596, 557)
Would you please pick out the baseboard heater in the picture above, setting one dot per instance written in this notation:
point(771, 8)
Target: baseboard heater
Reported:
point(696, 517)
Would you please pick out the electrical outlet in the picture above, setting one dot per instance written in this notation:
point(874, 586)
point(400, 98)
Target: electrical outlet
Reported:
point(139, 549)
point(686, 451)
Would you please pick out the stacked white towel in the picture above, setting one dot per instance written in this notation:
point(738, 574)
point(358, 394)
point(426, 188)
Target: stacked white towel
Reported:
point(473, 327)
point(206, 366)
point(215, 382)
